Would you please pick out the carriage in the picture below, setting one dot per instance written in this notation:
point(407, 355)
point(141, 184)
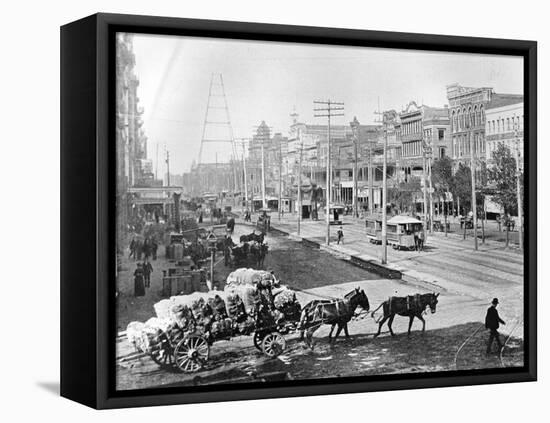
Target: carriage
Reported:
point(188, 348)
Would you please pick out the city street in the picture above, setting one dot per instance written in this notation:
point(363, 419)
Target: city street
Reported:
point(318, 273)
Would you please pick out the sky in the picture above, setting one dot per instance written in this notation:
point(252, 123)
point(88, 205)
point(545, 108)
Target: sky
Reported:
point(268, 80)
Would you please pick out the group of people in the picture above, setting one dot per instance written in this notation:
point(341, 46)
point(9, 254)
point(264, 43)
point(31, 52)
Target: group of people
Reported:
point(419, 240)
point(147, 248)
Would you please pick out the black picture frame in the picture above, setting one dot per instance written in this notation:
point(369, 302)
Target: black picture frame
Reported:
point(88, 208)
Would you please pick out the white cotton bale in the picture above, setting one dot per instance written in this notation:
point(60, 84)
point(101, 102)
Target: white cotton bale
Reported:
point(134, 334)
point(162, 308)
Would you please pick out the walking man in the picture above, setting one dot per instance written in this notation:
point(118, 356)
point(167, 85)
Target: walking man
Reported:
point(421, 240)
point(133, 249)
point(492, 321)
point(147, 270)
point(340, 236)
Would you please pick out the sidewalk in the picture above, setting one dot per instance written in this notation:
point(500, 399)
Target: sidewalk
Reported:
point(448, 263)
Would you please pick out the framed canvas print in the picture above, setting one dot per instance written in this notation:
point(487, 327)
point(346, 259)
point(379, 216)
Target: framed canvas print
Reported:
point(255, 211)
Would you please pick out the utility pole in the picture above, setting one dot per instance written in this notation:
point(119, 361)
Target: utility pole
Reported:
point(157, 162)
point(518, 189)
point(355, 127)
point(245, 180)
point(262, 135)
point(280, 178)
point(167, 168)
point(330, 109)
point(385, 196)
point(384, 234)
point(430, 154)
point(424, 186)
point(300, 183)
point(473, 173)
point(264, 205)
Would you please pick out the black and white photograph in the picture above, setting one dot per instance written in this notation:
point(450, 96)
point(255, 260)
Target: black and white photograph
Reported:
point(296, 212)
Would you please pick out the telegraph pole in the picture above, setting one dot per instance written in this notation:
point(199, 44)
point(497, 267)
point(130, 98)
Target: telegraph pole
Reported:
point(329, 109)
point(262, 136)
point(384, 234)
point(355, 126)
point(300, 183)
point(280, 177)
point(473, 173)
point(167, 168)
point(243, 158)
point(518, 189)
point(424, 185)
point(385, 196)
point(157, 162)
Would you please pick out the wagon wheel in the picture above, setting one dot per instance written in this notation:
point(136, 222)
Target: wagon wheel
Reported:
point(258, 338)
point(192, 353)
point(161, 351)
point(273, 344)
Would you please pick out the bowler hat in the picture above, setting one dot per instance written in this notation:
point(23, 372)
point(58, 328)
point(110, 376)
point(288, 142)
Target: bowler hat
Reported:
point(495, 301)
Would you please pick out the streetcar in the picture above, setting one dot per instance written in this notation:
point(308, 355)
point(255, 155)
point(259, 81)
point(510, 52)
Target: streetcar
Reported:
point(401, 230)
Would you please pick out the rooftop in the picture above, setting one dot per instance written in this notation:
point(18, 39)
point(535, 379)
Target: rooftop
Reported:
point(500, 100)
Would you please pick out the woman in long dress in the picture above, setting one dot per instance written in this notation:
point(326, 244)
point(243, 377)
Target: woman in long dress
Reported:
point(139, 286)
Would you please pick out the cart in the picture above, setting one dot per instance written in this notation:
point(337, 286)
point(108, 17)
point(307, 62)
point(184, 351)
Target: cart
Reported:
point(188, 349)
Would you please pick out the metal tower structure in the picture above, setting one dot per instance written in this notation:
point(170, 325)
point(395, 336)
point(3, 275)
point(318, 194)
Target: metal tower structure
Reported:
point(217, 130)
point(214, 119)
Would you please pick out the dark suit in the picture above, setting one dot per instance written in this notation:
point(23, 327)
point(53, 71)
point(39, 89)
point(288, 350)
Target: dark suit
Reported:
point(492, 322)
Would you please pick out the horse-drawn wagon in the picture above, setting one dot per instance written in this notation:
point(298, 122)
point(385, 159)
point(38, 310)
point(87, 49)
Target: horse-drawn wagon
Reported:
point(186, 338)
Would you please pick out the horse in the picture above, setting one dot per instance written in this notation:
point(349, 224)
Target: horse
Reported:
point(240, 252)
point(411, 306)
point(252, 237)
point(331, 312)
point(259, 251)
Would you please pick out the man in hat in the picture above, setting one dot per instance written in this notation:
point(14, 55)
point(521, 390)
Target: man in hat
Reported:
point(492, 321)
point(147, 270)
point(340, 236)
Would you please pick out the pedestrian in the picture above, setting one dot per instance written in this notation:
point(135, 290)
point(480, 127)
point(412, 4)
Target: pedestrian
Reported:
point(154, 248)
point(200, 217)
point(147, 270)
point(139, 288)
point(421, 240)
point(139, 249)
point(492, 321)
point(340, 236)
point(147, 248)
point(335, 213)
point(132, 249)
point(416, 240)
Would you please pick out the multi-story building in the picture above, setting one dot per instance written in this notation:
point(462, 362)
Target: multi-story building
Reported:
point(131, 142)
point(467, 111)
point(424, 133)
point(504, 124)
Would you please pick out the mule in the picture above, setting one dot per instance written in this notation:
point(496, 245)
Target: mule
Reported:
point(331, 312)
point(252, 237)
point(259, 251)
point(411, 306)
